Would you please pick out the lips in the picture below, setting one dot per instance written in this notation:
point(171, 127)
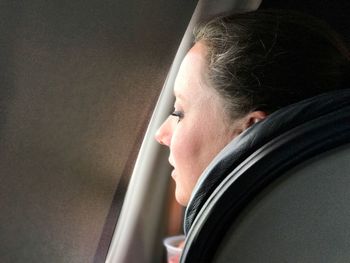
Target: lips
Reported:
point(173, 174)
point(171, 162)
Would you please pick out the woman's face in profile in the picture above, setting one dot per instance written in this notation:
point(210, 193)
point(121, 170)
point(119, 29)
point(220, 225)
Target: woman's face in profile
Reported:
point(198, 128)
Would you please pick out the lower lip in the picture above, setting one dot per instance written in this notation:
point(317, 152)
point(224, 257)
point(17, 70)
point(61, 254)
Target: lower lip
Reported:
point(173, 175)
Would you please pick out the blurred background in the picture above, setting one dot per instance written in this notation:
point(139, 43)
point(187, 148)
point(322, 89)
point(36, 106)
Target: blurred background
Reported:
point(78, 83)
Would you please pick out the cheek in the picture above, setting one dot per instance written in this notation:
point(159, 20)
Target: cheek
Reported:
point(186, 174)
point(193, 148)
point(184, 146)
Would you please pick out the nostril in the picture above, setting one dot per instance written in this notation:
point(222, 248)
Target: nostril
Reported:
point(163, 134)
point(158, 136)
point(159, 140)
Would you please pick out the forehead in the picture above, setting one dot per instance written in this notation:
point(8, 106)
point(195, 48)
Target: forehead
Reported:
point(192, 73)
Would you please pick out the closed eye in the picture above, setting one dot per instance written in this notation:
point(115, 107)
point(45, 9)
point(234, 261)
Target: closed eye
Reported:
point(178, 114)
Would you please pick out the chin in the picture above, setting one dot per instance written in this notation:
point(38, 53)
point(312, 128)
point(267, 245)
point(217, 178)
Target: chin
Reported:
point(181, 198)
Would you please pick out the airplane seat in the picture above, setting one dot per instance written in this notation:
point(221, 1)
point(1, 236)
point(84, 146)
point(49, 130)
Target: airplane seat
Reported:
point(278, 192)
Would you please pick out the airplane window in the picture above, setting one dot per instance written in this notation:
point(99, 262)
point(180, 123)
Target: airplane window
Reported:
point(79, 80)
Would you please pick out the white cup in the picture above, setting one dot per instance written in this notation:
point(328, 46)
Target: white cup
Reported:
point(174, 246)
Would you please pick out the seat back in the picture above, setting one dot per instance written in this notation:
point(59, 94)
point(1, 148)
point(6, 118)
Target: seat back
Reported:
point(266, 154)
point(303, 216)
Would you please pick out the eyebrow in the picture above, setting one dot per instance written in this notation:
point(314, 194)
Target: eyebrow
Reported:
point(178, 95)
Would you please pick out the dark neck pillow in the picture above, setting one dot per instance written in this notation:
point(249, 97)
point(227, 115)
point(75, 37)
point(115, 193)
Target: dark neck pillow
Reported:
point(325, 106)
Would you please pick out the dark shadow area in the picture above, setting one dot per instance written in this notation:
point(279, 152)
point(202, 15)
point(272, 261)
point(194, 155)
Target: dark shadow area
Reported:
point(336, 13)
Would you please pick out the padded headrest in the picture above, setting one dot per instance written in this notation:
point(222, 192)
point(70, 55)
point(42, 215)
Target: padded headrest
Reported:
point(255, 137)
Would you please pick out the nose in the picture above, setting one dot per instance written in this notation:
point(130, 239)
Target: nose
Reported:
point(164, 133)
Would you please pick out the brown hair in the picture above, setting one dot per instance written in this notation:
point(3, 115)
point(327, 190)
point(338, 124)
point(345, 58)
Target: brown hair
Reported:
point(267, 59)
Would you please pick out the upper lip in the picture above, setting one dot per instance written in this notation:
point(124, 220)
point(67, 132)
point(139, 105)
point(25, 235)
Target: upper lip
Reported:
point(171, 163)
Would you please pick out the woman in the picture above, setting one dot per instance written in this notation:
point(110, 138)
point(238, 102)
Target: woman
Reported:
point(241, 68)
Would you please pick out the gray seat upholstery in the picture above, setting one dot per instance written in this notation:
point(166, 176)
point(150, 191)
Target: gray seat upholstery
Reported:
point(236, 211)
point(304, 216)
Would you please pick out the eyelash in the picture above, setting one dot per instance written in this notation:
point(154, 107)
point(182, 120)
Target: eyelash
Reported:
point(178, 114)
